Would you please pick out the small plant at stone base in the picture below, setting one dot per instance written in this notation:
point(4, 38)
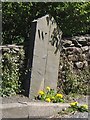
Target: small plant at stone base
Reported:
point(83, 108)
point(72, 80)
point(74, 107)
point(50, 95)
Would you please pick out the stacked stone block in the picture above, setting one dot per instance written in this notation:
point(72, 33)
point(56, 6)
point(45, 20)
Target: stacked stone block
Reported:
point(77, 50)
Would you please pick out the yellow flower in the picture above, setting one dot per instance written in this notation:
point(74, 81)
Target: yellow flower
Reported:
point(48, 88)
point(85, 106)
point(74, 103)
point(59, 95)
point(41, 92)
point(48, 100)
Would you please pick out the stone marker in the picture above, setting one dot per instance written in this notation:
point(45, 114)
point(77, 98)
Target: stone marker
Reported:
point(43, 62)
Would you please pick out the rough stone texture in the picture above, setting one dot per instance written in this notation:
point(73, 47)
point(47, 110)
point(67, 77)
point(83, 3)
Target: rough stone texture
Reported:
point(18, 112)
point(79, 65)
point(78, 53)
point(67, 43)
point(31, 109)
point(37, 110)
point(42, 59)
point(51, 75)
point(75, 58)
point(85, 48)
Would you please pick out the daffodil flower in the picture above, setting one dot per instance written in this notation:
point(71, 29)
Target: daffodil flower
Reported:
point(85, 106)
point(59, 95)
point(48, 100)
point(41, 92)
point(48, 88)
point(74, 104)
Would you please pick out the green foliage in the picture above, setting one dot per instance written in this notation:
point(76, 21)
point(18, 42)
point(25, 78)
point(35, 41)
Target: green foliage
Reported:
point(83, 108)
point(72, 18)
point(77, 83)
point(16, 20)
point(74, 107)
point(72, 110)
point(11, 61)
point(73, 81)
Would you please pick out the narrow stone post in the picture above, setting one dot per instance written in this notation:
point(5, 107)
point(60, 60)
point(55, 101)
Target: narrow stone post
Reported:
point(42, 62)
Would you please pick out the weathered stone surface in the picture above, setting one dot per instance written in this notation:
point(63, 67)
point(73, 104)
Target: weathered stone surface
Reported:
point(77, 50)
point(45, 62)
point(6, 49)
point(87, 37)
point(79, 65)
point(18, 112)
point(72, 45)
point(84, 56)
point(30, 110)
point(81, 57)
point(16, 49)
point(85, 63)
point(88, 43)
point(88, 56)
point(67, 43)
point(73, 50)
point(85, 48)
point(52, 68)
point(75, 42)
point(39, 56)
point(73, 58)
point(82, 41)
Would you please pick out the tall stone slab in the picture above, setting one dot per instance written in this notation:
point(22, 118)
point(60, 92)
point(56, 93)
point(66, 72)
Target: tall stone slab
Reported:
point(43, 61)
point(39, 55)
point(52, 65)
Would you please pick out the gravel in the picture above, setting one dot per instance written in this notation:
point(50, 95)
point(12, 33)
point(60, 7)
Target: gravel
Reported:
point(80, 115)
point(75, 115)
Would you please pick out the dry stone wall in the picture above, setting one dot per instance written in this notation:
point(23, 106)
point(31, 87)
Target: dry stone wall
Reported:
point(77, 50)
point(74, 65)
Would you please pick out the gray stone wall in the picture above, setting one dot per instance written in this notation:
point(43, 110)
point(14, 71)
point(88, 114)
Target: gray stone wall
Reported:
point(74, 65)
point(77, 50)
